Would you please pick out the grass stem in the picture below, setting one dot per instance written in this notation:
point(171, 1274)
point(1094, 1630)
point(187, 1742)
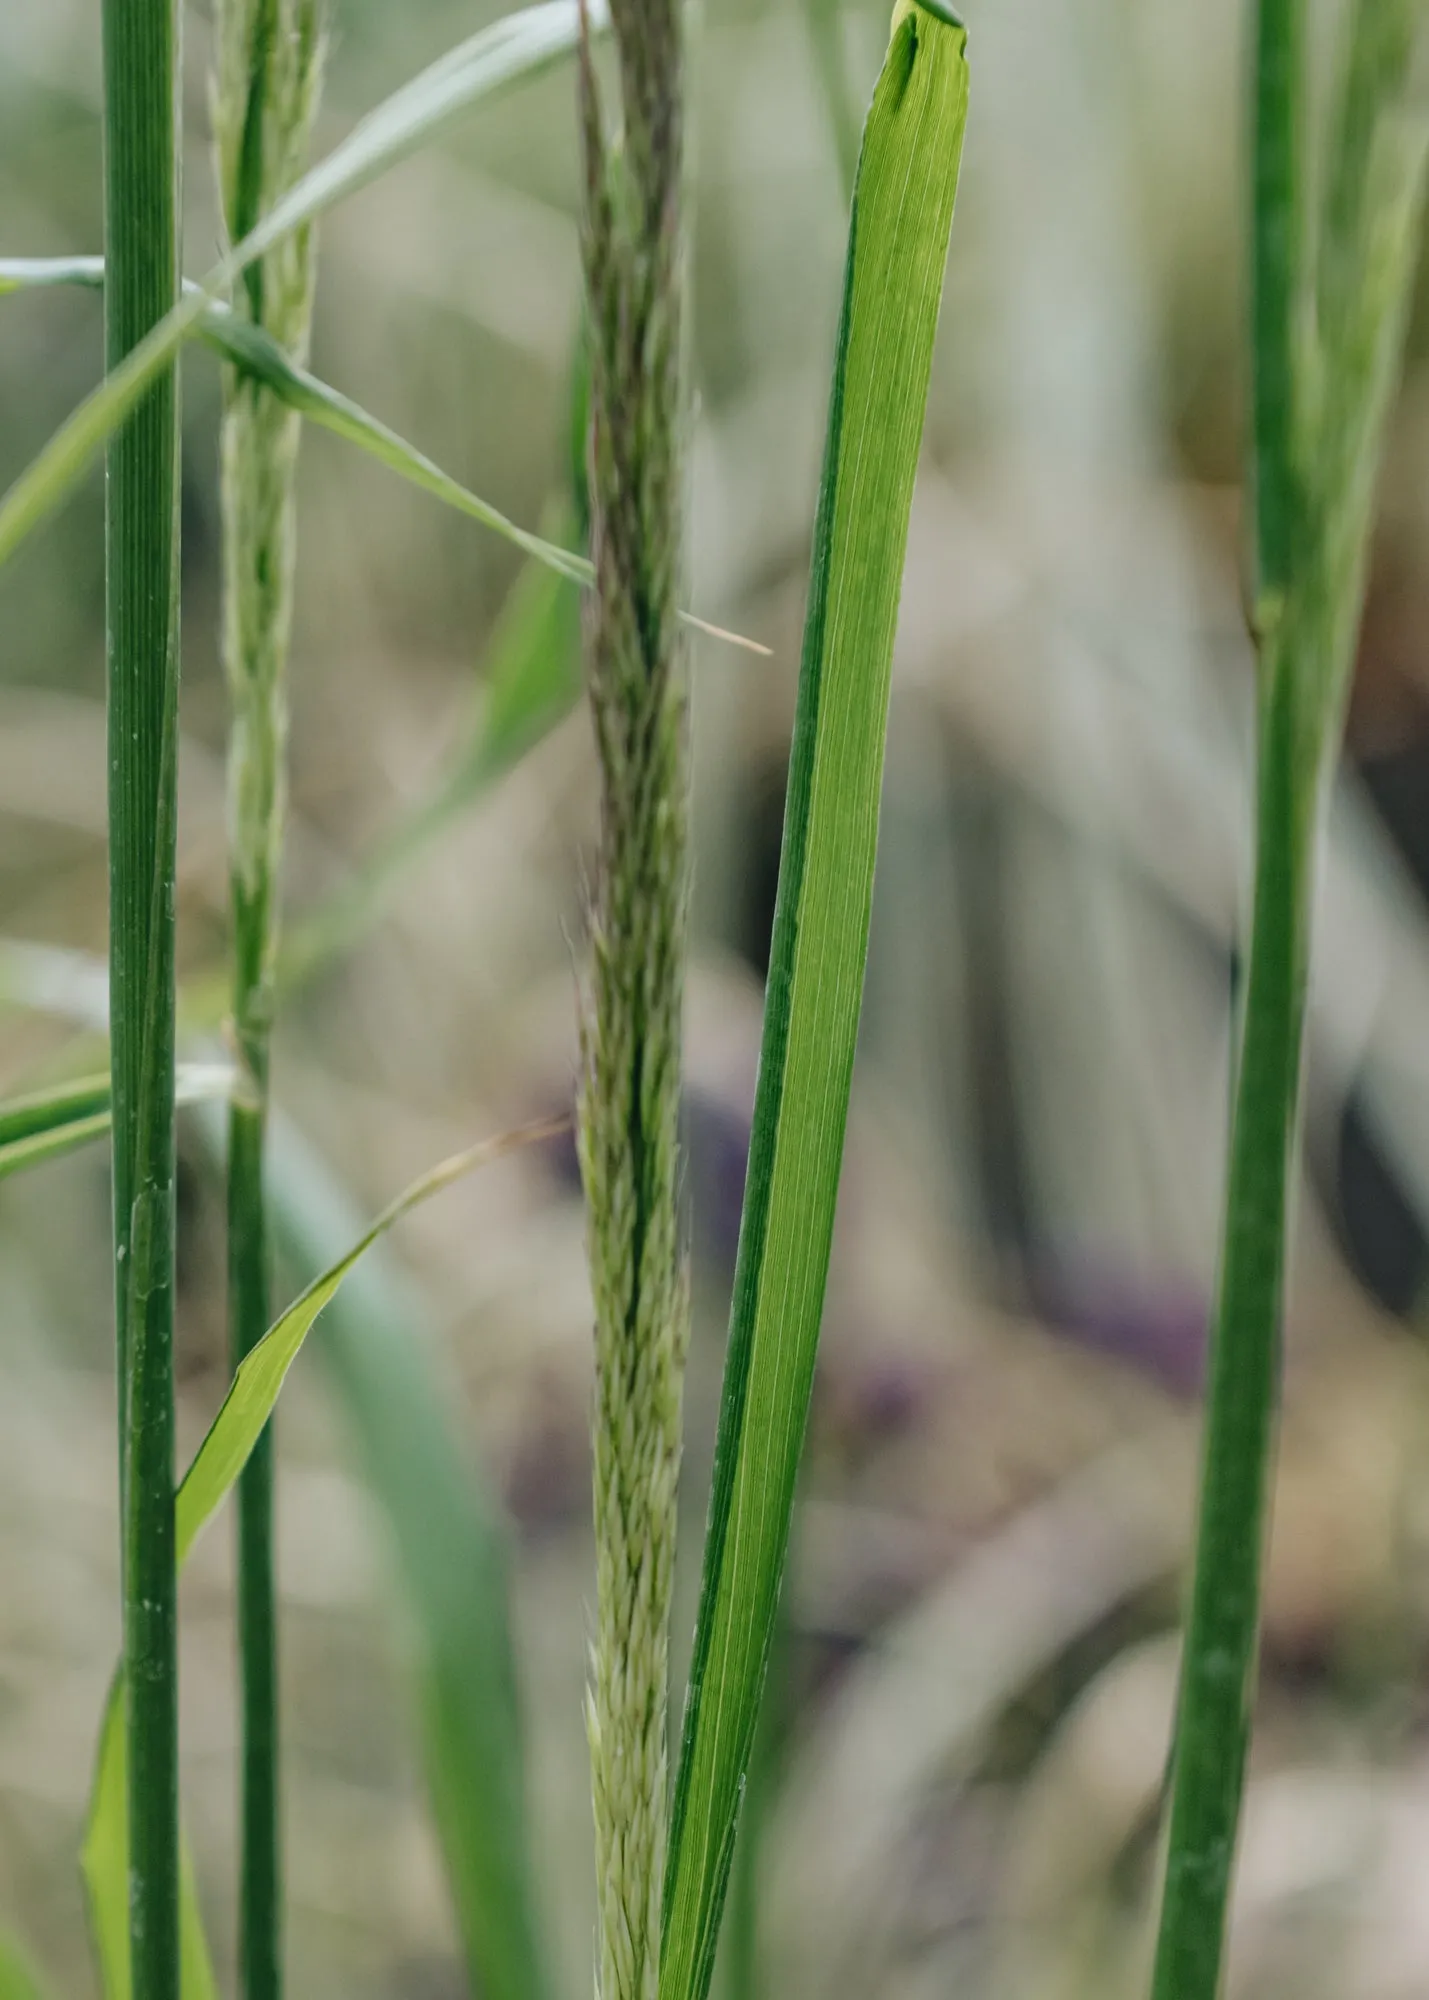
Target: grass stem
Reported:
point(141, 162)
point(269, 61)
point(1328, 310)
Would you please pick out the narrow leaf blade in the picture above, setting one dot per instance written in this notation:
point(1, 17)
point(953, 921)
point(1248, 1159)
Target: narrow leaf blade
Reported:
point(254, 1391)
point(902, 216)
point(44, 1124)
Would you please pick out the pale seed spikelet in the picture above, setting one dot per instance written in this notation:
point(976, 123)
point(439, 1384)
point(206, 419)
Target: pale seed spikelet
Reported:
point(269, 65)
point(270, 55)
point(630, 1097)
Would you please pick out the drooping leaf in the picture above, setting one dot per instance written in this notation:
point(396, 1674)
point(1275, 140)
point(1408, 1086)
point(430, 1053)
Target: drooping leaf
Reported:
point(518, 46)
point(898, 241)
point(254, 350)
point(219, 1461)
point(261, 1374)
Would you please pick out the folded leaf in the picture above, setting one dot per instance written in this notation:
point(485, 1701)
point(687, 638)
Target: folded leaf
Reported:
point(898, 241)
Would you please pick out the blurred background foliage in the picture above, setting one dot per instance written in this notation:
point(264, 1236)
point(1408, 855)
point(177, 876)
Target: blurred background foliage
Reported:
point(968, 1726)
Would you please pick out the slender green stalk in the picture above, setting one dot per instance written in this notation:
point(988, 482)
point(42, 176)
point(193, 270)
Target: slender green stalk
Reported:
point(633, 252)
point(265, 89)
point(141, 164)
point(1328, 316)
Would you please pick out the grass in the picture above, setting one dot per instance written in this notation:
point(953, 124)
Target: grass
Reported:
point(142, 648)
point(897, 248)
point(1335, 208)
point(269, 67)
point(1329, 300)
point(633, 256)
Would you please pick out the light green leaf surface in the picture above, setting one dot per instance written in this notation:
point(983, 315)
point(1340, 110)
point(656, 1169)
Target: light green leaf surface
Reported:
point(514, 48)
point(902, 215)
point(220, 1459)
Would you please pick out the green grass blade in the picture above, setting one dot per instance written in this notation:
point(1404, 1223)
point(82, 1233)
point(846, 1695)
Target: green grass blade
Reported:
point(40, 1113)
point(450, 1545)
point(249, 347)
point(517, 47)
point(104, 1863)
point(254, 1390)
point(210, 1478)
point(902, 215)
point(47, 1123)
point(255, 351)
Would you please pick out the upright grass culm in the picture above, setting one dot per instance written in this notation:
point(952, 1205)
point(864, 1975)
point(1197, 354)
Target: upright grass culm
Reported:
point(141, 173)
point(1329, 293)
point(269, 61)
point(633, 252)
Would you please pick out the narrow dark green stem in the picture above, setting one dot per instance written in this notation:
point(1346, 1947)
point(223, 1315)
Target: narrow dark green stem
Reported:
point(260, 1890)
point(141, 559)
point(1276, 264)
point(1218, 1673)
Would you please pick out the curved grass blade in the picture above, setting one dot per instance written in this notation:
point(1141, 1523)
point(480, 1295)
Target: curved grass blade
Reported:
point(519, 46)
point(45, 1124)
point(220, 1459)
point(254, 1390)
point(450, 1544)
point(255, 351)
point(898, 241)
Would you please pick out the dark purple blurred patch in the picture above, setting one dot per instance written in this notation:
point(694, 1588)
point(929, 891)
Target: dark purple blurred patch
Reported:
point(1157, 1326)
